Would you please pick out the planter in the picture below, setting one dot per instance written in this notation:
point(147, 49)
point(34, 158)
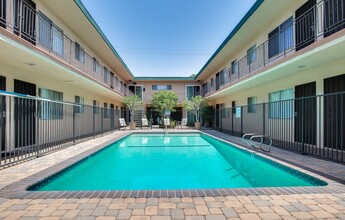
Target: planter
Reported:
point(197, 125)
point(132, 125)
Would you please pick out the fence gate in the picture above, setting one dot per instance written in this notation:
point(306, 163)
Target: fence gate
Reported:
point(305, 113)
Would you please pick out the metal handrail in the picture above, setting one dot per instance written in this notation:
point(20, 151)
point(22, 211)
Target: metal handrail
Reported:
point(261, 142)
point(260, 146)
point(19, 95)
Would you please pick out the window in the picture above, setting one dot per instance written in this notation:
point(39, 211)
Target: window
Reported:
point(233, 107)
point(106, 111)
point(95, 107)
point(281, 38)
point(222, 77)
point(234, 67)
point(223, 111)
point(79, 53)
point(79, 100)
point(281, 104)
point(106, 75)
point(212, 83)
point(251, 55)
point(192, 91)
point(50, 36)
point(51, 110)
point(96, 65)
point(137, 90)
point(252, 104)
point(161, 87)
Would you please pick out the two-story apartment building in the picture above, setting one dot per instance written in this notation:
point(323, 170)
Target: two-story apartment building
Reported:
point(280, 53)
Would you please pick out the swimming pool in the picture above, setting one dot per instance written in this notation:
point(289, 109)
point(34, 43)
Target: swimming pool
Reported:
point(176, 161)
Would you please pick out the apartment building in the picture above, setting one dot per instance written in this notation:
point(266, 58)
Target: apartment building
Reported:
point(280, 72)
point(280, 53)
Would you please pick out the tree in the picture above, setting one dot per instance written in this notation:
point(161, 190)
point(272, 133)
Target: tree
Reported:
point(194, 105)
point(133, 103)
point(164, 101)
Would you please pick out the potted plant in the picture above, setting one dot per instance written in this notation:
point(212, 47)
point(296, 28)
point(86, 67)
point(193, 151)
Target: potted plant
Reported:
point(194, 105)
point(133, 103)
point(207, 115)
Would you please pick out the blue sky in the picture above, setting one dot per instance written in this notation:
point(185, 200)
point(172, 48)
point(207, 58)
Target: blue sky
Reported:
point(167, 37)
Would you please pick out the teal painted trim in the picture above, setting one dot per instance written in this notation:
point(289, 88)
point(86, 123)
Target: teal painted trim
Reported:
point(98, 29)
point(233, 32)
point(164, 78)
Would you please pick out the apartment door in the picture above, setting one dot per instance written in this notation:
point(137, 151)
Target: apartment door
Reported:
point(25, 19)
point(3, 13)
point(305, 24)
point(24, 115)
point(305, 113)
point(2, 114)
point(334, 112)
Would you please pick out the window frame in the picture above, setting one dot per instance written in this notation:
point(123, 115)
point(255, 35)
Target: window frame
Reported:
point(79, 53)
point(251, 54)
point(281, 107)
point(251, 104)
point(51, 110)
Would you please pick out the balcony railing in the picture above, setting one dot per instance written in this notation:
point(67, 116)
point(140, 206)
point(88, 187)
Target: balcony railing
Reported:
point(320, 21)
point(39, 30)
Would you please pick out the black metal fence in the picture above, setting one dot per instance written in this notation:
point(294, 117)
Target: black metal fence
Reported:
point(32, 126)
point(312, 125)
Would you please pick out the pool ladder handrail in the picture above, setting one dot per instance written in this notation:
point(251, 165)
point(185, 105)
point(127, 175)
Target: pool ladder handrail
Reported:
point(260, 146)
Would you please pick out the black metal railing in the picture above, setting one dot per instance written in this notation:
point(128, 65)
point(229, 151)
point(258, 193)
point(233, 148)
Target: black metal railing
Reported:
point(320, 21)
point(312, 125)
point(32, 126)
point(39, 30)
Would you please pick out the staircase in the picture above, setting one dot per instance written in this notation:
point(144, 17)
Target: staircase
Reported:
point(138, 115)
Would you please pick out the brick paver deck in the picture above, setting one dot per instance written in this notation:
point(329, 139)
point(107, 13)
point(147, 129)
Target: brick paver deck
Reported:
point(270, 204)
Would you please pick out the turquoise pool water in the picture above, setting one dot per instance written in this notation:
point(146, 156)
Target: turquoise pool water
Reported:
point(178, 161)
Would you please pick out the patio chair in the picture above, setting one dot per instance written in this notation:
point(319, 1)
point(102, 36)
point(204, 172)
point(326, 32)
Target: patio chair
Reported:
point(184, 123)
point(166, 122)
point(144, 123)
point(122, 123)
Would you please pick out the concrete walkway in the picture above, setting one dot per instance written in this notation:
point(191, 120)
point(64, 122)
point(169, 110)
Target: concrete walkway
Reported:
point(273, 206)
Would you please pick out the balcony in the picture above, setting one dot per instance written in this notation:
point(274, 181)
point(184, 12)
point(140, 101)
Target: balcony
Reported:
point(313, 25)
point(37, 29)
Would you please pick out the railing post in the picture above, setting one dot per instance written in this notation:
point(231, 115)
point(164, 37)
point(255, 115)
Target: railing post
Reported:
point(37, 128)
point(264, 54)
point(264, 119)
point(93, 121)
point(241, 121)
point(73, 126)
point(303, 128)
point(102, 115)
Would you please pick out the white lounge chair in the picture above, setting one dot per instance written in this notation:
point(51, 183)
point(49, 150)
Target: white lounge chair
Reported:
point(144, 123)
point(166, 122)
point(182, 123)
point(122, 123)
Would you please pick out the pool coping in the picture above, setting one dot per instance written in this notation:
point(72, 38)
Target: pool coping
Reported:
point(18, 190)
